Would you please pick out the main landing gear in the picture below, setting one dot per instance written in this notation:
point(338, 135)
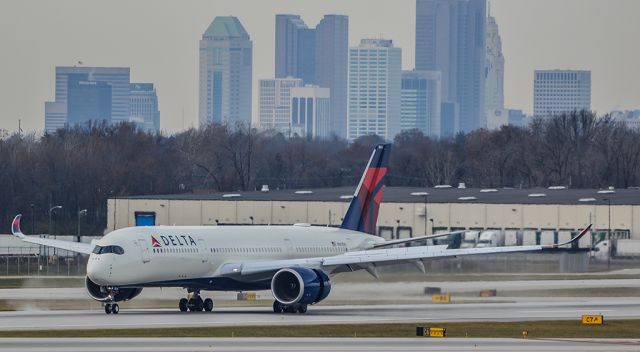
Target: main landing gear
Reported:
point(110, 308)
point(195, 303)
point(289, 308)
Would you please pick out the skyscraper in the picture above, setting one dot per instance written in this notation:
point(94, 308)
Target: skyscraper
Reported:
point(558, 91)
point(68, 81)
point(494, 83)
point(144, 106)
point(332, 51)
point(374, 89)
point(88, 101)
point(275, 103)
point(295, 48)
point(225, 73)
point(450, 38)
point(310, 109)
point(420, 106)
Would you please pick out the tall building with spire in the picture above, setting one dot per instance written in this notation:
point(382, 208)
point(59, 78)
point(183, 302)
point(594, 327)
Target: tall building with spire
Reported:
point(226, 57)
point(494, 80)
point(450, 38)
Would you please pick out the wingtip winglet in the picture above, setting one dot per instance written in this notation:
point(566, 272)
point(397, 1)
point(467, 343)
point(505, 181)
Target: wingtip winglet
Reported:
point(15, 226)
point(577, 238)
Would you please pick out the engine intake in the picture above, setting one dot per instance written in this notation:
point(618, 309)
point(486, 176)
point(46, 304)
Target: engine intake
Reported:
point(110, 294)
point(300, 285)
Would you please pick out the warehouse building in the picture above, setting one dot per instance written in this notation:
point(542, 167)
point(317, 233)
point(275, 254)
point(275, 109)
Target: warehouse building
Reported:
point(525, 216)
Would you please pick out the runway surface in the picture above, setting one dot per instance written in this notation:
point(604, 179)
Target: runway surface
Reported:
point(312, 344)
point(611, 308)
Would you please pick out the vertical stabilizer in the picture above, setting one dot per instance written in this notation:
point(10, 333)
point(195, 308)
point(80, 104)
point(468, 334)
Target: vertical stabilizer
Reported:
point(363, 210)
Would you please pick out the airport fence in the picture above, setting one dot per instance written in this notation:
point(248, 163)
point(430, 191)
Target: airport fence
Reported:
point(34, 261)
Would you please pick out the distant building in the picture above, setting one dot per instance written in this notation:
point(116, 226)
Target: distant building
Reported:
point(295, 49)
point(374, 89)
point(225, 73)
point(450, 38)
point(144, 106)
point(88, 101)
point(631, 118)
point(504, 117)
point(310, 111)
point(332, 51)
point(420, 102)
point(517, 118)
point(449, 119)
point(558, 91)
point(275, 103)
point(494, 80)
point(318, 56)
point(81, 96)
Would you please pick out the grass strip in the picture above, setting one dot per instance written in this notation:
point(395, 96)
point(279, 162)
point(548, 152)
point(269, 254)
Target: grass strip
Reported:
point(536, 329)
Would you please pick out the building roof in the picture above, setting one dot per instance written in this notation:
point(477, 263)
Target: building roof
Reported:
point(629, 196)
point(226, 26)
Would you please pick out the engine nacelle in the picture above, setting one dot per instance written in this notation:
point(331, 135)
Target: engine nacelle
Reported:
point(300, 285)
point(110, 294)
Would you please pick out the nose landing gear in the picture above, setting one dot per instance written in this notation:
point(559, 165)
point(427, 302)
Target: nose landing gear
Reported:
point(111, 308)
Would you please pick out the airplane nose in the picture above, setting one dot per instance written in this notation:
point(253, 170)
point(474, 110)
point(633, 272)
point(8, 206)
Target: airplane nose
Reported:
point(97, 271)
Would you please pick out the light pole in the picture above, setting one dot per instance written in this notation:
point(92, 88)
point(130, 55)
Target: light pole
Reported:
point(609, 235)
point(80, 213)
point(33, 219)
point(51, 210)
point(425, 194)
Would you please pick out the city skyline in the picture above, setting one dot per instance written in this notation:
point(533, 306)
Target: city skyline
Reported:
point(180, 26)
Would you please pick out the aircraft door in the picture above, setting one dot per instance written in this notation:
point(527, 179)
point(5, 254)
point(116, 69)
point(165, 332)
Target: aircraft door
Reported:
point(144, 250)
point(202, 247)
point(288, 247)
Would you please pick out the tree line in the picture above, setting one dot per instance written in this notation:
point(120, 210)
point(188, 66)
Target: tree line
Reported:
point(81, 167)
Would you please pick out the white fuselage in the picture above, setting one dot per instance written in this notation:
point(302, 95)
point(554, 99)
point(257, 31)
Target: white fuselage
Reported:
point(173, 253)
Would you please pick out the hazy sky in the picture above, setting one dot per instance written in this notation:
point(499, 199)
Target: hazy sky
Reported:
point(159, 41)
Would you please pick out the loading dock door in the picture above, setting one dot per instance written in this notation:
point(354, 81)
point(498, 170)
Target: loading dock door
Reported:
point(145, 218)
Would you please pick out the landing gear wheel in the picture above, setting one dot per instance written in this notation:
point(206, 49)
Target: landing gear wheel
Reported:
point(302, 309)
point(107, 308)
point(192, 304)
point(115, 308)
point(290, 309)
point(208, 304)
point(183, 305)
point(277, 307)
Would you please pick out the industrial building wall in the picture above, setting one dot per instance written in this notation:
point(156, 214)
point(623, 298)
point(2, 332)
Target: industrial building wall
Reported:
point(551, 217)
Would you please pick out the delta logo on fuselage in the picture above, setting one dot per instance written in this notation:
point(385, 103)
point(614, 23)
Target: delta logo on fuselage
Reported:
point(171, 240)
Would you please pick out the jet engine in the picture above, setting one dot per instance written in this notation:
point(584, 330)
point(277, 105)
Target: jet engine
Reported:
point(108, 293)
point(300, 286)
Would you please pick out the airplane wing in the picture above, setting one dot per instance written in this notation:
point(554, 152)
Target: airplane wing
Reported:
point(414, 239)
point(369, 259)
point(77, 247)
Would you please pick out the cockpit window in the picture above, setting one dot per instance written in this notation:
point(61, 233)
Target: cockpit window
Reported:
point(108, 249)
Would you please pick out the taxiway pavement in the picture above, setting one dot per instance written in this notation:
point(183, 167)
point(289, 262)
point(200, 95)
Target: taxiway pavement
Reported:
point(613, 308)
point(312, 344)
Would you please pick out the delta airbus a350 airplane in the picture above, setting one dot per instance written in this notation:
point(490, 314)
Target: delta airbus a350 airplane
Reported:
point(294, 262)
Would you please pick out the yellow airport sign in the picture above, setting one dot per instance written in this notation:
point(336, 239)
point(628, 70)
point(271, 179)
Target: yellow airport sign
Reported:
point(592, 320)
point(431, 332)
point(441, 298)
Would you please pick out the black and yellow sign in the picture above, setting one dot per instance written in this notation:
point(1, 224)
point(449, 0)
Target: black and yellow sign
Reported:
point(441, 298)
point(431, 332)
point(592, 320)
